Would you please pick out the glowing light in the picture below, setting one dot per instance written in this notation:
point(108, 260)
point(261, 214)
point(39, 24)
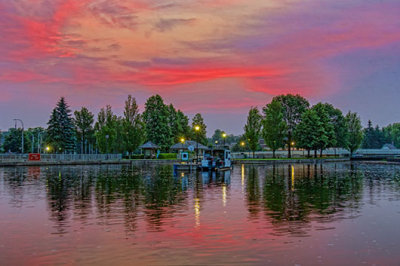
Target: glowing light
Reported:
point(183, 140)
point(224, 195)
point(47, 148)
point(197, 211)
point(292, 178)
point(197, 128)
point(242, 178)
point(224, 135)
point(242, 143)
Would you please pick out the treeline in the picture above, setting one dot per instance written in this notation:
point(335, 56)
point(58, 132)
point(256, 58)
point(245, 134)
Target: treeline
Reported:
point(289, 121)
point(375, 137)
point(69, 132)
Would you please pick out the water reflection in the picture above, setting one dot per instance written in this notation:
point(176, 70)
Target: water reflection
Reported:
point(289, 197)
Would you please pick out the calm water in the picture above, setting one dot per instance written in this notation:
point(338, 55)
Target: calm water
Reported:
point(288, 214)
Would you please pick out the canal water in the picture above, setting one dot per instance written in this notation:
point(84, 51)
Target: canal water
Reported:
point(329, 214)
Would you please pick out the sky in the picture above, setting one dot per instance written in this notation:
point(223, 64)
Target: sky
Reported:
point(215, 57)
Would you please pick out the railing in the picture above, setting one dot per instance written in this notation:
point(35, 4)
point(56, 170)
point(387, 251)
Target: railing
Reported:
point(61, 157)
point(328, 152)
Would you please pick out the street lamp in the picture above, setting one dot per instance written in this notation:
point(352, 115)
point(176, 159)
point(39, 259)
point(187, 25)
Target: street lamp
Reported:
point(182, 140)
point(22, 135)
point(224, 136)
point(197, 129)
point(47, 149)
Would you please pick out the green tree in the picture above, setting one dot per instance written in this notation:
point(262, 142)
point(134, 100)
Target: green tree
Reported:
point(201, 135)
point(61, 131)
point(179, 124)
point(326, 137)
point(108, 131)
point(339, 124)
point(308, 131)
point(13, 141)
point(374, 138)
point(83, 121)
point(274, 127)
point(392, 134)
point(293, 108)
point(156, 118)
point(133, 126)
point(354, 132)
point(36, 136)
point(252, 128)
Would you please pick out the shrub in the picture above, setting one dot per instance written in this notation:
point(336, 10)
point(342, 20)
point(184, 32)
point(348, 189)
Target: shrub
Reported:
point(170, 156)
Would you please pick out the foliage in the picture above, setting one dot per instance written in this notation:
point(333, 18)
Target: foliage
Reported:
point(309, 131)
point(293, 107)
point(200, 135)
point(61, 130)
point(392, 134)
point(83, 121)
point(274, 127)
point(374, 138)
point(13, 141)
point(157, 122)
point(170, 156)
point(252, 129)
point(133, 126)
point(354, 132)
point(338, 121)
point(36, 136)
point(179, 124)
point(108, 131)
point(325, 129)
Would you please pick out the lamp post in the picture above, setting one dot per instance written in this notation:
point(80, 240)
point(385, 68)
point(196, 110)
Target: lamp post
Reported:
point(197, 129)
point(293, 143)
point(22, 135)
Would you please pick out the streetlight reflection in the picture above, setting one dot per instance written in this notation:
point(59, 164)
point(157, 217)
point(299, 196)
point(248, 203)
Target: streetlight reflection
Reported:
point(197, 211)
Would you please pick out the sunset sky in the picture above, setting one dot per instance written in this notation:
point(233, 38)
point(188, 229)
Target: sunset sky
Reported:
point(216, 57)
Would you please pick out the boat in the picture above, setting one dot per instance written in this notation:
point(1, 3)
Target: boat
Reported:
point(219, 159)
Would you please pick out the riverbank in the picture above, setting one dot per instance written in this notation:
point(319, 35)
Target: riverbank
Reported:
point(289, 161)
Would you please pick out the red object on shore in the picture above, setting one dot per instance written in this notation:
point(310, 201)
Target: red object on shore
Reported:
point(34, 157)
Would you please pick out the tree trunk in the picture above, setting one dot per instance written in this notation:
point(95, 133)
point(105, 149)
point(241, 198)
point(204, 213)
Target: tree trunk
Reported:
point(253, 154)
point(289, 146)
point(315, 154)
point(308, 153)
point(273, 153)
point(320, 153)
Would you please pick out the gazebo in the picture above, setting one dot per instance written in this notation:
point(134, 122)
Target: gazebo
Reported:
point(149, 149)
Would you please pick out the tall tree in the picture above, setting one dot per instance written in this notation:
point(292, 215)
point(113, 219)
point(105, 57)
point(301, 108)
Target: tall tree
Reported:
point(201, 135)
point(83, 121)
point(326, 137)
point(252, 129)
point(354, 132)
point(374, 138)
point(340, 127)
point(61, 130)
point(309, 131)
point(133, 126)
point(293, 108)
point(156, 118)
point(274, 127)
point(108, 131)
point(179, 124)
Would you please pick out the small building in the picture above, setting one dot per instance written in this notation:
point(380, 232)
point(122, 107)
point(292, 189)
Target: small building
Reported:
point(191, 146)
point(149, 150)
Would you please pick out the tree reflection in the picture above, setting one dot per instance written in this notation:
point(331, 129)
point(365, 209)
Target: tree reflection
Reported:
point(305, 193)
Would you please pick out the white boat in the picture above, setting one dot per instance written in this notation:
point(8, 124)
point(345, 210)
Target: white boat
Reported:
point(219, 159)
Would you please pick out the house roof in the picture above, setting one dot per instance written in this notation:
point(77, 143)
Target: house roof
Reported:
point(149, 145)
point(185, 146)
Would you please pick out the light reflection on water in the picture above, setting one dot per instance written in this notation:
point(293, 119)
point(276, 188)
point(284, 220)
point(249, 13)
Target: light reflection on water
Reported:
point(310, 214)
